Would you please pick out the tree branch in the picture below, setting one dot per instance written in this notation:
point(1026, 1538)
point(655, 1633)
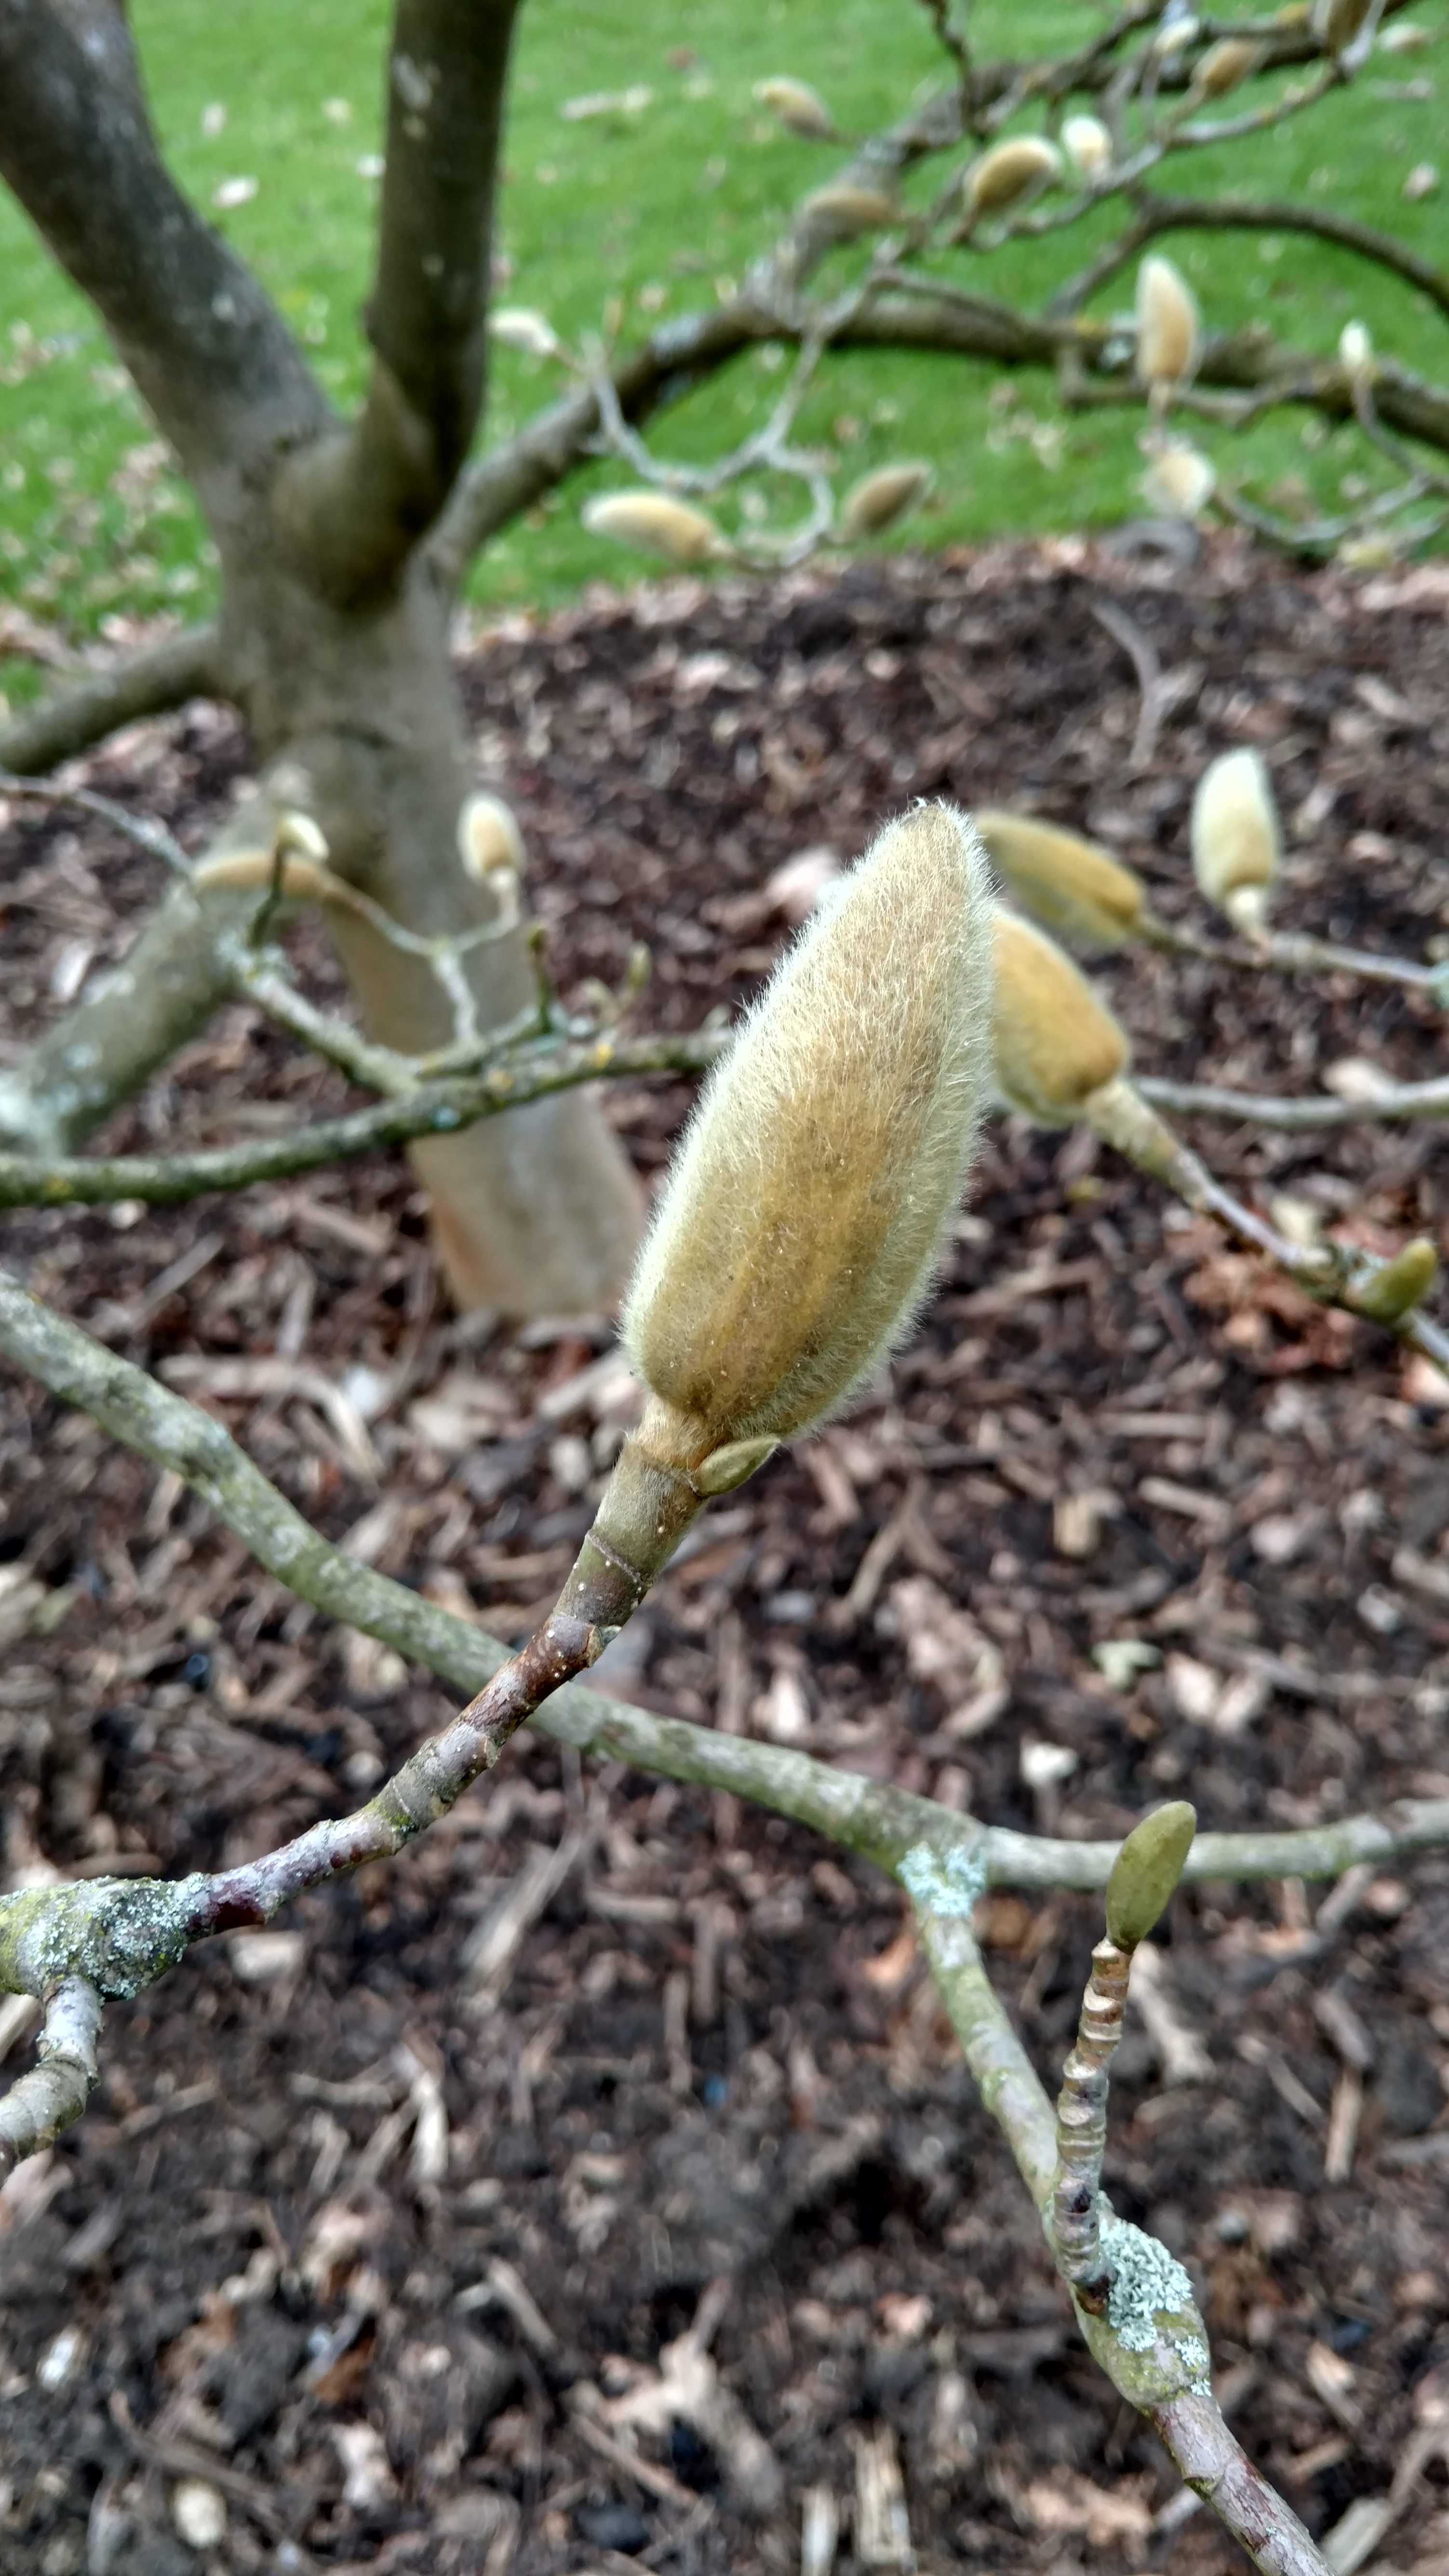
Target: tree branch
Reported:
point(1297, 1117)
point(55, 2092)
point(429, 1109)
point(882, 1824)
point(149, 683)
point(1158, 214)
point(1156, 2356)
point(207, 348)
point(358, 502)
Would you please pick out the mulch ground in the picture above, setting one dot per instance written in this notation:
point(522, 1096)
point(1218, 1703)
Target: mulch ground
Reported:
point(601, 2180)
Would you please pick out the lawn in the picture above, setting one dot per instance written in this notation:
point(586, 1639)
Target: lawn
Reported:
point(616, 217)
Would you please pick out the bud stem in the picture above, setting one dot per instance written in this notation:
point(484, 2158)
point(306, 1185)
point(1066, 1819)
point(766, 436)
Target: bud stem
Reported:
point(1076, 2217)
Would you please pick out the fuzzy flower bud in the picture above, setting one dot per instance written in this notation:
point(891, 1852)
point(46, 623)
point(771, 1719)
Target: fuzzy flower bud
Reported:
point(1235, 836)
point(1055, 1042)
point(806, 1207)
point(845, 210)
point(1025, 163)
point(1180, 480)
point(1232, 60)
point(1088, 146)
point(516, 326)
point(654, 524)
point(1355, 348)
point(490, 843)
point(1060, 879)
point(800, 109)
point(1167, 324)
point(879, 499)
point(1146, 1871)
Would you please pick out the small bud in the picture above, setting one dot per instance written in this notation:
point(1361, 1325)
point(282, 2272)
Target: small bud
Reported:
point(845, 210)
point(1180, 480)
point(1390, 1291)
point(1146, 1871)
point(1167, 324)
point(1024, 164)
point(515, 326)
point(490, 843)
point(800, 109)
point(654, 524)
point(1337, 22)
point(298, 834)
point(1062, 880)
point(1406, 36)
point(1055, 1042)
point(879, 499)
point(730, 1466)
point(1088, 145)
point(1235, 836)
point(1225, 65)
point(1355, 348)
point(805, 1210)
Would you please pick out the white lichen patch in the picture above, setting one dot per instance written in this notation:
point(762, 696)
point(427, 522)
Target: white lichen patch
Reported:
point(1146, 2282)
point(948, 1886)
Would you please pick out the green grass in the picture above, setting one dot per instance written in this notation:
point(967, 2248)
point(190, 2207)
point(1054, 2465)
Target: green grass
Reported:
point(641, 212)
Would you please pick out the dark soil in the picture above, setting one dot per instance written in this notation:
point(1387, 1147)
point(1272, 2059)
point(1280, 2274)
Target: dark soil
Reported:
point(282, 2252)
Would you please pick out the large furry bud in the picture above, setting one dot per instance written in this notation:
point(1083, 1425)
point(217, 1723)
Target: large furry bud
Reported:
point(1235, 838)
point(1225, 65)
point(879, 499)
point(655, 524)
point(1088, 146)
point(1062, 880)
point(800, 109)
point(1180, 480)
point(1007, 172)
point(843, 209)
point(806, 1208)
point(1167, 325)
point(1055, 1042)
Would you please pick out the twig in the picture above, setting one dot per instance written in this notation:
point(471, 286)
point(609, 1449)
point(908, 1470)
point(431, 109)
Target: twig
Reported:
point(55, 2092)
point(151, 682)
point(1142, 654)
point(153, 838)
point(881, 1824)
point(1301, 1116)
point(428, 1108)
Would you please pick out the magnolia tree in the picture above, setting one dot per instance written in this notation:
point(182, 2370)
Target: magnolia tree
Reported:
point(342, 543)
point(791, 1250)
point(801, 1228)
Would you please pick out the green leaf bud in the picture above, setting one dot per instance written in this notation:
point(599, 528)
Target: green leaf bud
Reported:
point(1390, 1291)
point(1068, 883)
point(1146, 1870)
point(1055, 1042)
point(1235, 836)
point(732, 1465)
point(807, 1204)
point(879, 499)
point(655, 524)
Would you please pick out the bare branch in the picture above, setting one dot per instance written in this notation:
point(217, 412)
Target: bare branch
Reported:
point(55, 2092)
point(884, 1825)
point(1297, 1117)
point(1156, 2356)
point(207, 348)
point(148, 683)
point(427, 1109)
point(358, 503)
